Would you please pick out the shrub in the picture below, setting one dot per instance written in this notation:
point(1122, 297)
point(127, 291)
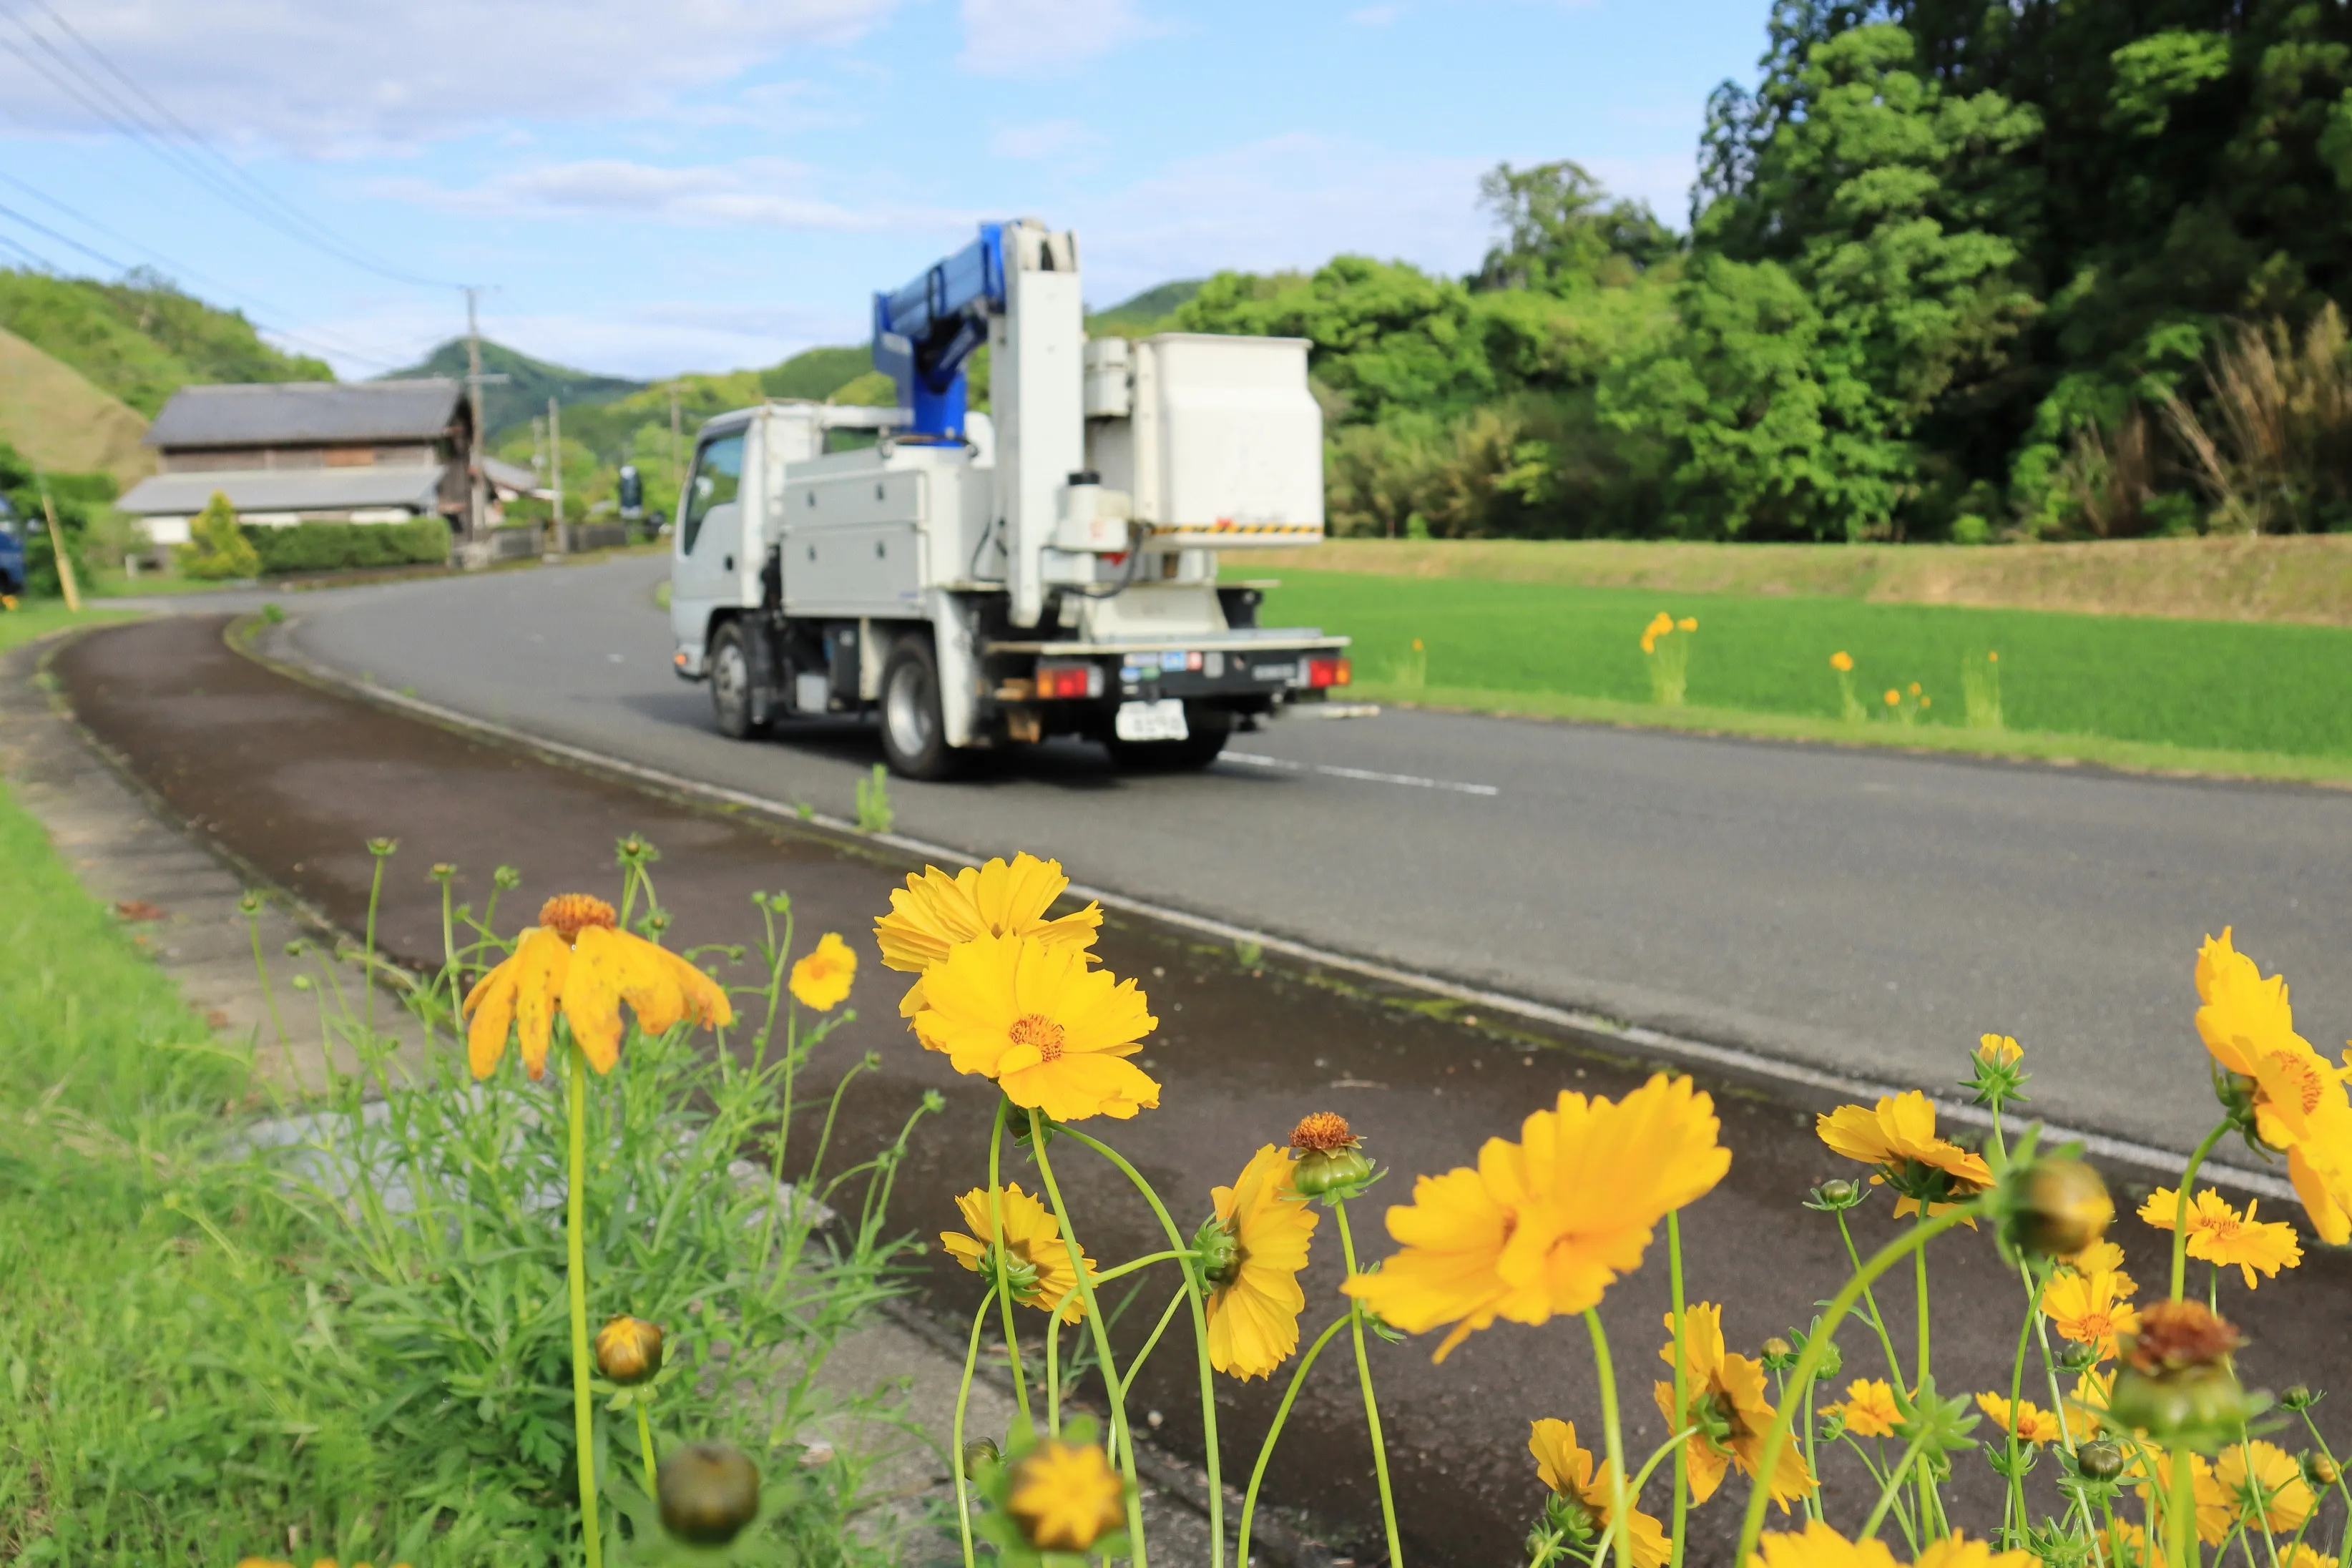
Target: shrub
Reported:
point(217, 550)
point(343, 546)
point(75, 498)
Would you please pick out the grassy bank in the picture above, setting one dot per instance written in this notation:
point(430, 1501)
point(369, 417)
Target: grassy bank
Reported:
point(2225, 697)
point(2303, 579)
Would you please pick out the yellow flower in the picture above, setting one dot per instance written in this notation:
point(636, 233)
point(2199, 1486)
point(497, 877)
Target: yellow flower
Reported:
point(1820, 1546)
point(2088, 1404)
point(1869, 1409)
point(2284, 1498)
point(2214, 1515)
point(281, 1563)
point(1893, 697)
point(934, 912)
point(1254, 1297)
point(2128, 1543)
point(1037, 1261)
point(1569, 1471)
point(2218, 1233)
point(1914, 689)
point(1065, 1496)
point(574, 961)
point(1687, 624)
point(1842, 661)
point(2090, 1309)
point(1054, 1033)
point(1728, 1403)
point(2100, 1256)
point(1660, 625)
point(1999, 1050)
point(2301, 1556)
point(1546, 1224)
point(2033, 1424)
point(821, 979)
point(1899, 1137)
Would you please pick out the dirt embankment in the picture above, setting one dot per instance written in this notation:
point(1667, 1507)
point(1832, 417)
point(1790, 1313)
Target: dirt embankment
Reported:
point(2302, 578)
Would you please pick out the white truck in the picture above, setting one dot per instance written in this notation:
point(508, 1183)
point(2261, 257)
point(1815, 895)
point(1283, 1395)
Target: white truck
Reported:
point(980, 581)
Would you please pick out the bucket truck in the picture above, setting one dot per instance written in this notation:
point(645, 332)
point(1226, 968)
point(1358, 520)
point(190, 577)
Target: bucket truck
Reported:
point(979, 580)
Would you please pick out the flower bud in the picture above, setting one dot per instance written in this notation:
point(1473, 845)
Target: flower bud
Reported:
point(628, 1350)
point(2100, 1460)
point(2058, 1208)
point(507, 877)
point(980, 1451)
point(1219, 1254)
point(1342, 1171)
point(2176, 1336)
point(1833, 1363)
point(709, 1493)
point(2298, 1397)
point(248, 902)
point(2320, 1470)
point(1779, 1355)
point(442, 872)
point(381, 848)
point(1834, 1195)
point(2078, 1357)
point(1568, 1516)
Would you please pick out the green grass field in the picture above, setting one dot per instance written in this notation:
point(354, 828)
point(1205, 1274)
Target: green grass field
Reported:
point(2205, 695)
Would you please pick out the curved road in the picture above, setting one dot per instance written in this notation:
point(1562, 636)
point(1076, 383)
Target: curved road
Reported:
point(1863, 911)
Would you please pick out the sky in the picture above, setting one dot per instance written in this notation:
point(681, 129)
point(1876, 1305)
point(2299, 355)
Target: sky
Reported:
point(642, 188)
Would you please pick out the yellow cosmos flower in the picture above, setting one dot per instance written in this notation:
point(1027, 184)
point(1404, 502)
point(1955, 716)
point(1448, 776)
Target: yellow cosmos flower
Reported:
point(1999, 1050)
point(1869, 1409)
point(2128, 1543)
point(2100, 1257)
point(1728, 1405)
point(2091, 1308)
point(2215, 1518)
point(2301, 1556)
point(1687, 624)
point(2271, 1491)
point(1259, 1239)
point(2088, 1404)
point(821, 979)
point(1037, 1272)
point(2032, 1424)
point(576, 962)
point(1065, 1496)
point(2218, 1233)
point(2299, 1101)
point(934, 912)
point(1820, 1546)
point(1660, 625)
point(1569, 1471)
point(1546, 1224)
point(1898, 1136)
point(1842, 661)
point(1054, 1033)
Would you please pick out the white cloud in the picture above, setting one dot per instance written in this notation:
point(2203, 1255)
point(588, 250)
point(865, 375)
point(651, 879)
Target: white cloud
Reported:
point(364, 75)
point(1375, 15)
point(750, 193)
point(1018, 37)
point(1049, 139)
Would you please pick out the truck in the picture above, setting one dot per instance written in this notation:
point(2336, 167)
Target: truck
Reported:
point(981, 581)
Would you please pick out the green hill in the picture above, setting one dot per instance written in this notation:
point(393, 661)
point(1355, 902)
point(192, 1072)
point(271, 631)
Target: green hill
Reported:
point(816, 374)
point(140, 340)
point(513, 404)
point(51, 413)
point(1148, 312)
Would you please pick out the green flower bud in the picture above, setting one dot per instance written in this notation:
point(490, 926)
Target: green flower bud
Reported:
point(1219, 1253)
point(980, 1452)
point(1339, 1170)
point(708, 1492)
point(2057, 1207)
point(2100, 1460)
point(2298, 1398)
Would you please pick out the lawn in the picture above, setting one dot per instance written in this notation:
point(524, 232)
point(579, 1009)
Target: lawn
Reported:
point(39, 617)
point(2125, 689)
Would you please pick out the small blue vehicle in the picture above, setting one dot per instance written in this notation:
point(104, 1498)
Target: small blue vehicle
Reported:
point(12, 549)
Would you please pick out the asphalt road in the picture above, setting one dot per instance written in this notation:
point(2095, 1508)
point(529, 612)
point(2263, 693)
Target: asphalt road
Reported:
point(1862, 911)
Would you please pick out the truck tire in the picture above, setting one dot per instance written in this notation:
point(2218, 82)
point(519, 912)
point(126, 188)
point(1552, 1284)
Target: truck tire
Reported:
point(730, 683)
point(914, 736)
point(1190, 754)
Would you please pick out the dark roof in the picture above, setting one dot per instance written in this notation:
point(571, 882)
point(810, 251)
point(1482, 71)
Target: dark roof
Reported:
point(285, 490)
point(288, 411)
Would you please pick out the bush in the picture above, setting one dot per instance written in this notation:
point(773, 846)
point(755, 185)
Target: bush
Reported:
point(342, 546)
point(74, 497)
point(216, 550)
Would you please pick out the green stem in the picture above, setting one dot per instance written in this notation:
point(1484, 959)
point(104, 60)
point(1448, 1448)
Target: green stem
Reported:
point(1200, 1341)
point(2341, 1487)
point(1886, 1493)
point(268, 992)
point(1282, 1414)
point(963, 1400)
point(996, 1251)
point(2013, 1506)
point(645, 1450)
point(2180, 1511)
point(1372, 1405)
point(575, 1221)
point(1135, 1362)
point(1920, 1259)
point(1122, 1440)
point(1607, 1374)
point(1809, 1363)
point(2180, 1207)
point(1682, 1388)
point(367, 975)
point(1877, 1319)
point(1641, 1478)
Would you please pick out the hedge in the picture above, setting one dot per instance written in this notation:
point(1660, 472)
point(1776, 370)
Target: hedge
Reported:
point(336, 546)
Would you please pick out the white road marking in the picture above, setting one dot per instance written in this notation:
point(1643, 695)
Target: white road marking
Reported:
point(1259, 759)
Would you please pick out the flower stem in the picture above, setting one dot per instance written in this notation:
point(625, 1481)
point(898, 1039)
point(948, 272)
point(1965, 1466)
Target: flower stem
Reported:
point(996, 1250)
point(576, 1222)
point(367, 975)
point(963, 1399)
point(1122, 1440)
point(1607, 1374)
point(1809, 1363)
point(2180, 1509)
point(645, 1448)
point(1372, 1405)
point(1682, 1384)
point(1877, 1321)
point(1886, 1493)
point(1282, 1414)
point(2180, 1207)
point(2013, 1505)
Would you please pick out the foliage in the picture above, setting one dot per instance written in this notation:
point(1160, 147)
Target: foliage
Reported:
point(219, 549)
point(2282, 460)
point(75, 498)
point(529, 383)
point(142, 339)
point(816, 374)
point(342, 546)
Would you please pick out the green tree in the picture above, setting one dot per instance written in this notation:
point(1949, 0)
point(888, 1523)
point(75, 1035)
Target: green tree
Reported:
point(1561, 231)
point(217, 550)
point(73, 498)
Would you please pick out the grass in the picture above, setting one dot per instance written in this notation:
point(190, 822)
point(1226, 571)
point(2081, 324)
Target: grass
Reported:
point(2215, 697)
point(39, 617)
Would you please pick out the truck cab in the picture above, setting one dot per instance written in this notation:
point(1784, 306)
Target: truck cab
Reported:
point(981, 583)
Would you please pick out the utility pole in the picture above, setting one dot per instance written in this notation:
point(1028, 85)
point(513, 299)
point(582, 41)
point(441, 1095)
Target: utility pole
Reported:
point(476, 508)
point(555, 466)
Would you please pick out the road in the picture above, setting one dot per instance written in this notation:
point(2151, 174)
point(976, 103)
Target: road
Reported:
point(1863, 911)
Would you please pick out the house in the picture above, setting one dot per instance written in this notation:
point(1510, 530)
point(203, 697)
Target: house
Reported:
point(305, 452)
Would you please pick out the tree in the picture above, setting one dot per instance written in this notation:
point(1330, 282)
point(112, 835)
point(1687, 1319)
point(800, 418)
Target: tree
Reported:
point(217, 548)
point(33, 496)
point(1560, 230)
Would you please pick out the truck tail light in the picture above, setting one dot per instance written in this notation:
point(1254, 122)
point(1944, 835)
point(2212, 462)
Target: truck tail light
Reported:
point(1328, 670)
point(1063, 680)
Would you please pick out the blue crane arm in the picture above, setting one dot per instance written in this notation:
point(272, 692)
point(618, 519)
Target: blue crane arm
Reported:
point(924, 332)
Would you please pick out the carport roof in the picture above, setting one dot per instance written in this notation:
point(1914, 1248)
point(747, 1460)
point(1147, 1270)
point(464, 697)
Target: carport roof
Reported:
point(285, 490)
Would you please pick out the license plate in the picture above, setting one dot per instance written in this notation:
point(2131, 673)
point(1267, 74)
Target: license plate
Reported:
point(1161, 720)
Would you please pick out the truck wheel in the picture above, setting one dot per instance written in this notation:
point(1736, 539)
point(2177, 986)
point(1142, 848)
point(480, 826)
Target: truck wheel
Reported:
point(914, 737)
point(730, 683)
point(1196, 752)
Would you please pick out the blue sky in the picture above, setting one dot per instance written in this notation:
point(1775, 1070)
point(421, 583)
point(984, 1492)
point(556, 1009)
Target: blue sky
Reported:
point(644, 189)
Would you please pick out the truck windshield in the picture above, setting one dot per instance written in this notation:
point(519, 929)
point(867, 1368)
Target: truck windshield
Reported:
point(717, 478)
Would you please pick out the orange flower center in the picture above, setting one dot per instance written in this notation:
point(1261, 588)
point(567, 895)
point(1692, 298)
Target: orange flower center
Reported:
point(2306, 1081)
point(1323, 1131)
point(1038, 1030)
point(569, 914)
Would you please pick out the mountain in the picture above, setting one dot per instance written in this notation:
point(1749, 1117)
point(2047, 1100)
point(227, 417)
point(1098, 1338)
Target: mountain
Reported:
point(1146, 312)
point(529, 383)
point(816, 374)
point(140, 339)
